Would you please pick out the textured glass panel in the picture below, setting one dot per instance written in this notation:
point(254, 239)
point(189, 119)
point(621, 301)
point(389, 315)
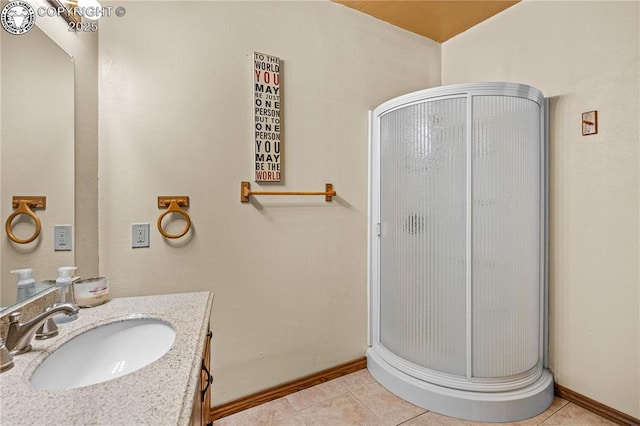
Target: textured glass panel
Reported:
point(422, 250)
point(506, 235)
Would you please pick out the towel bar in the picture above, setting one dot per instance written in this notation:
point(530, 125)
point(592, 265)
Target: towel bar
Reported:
point(246, 192)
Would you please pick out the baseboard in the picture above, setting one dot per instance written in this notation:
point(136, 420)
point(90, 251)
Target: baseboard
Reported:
point(596, 407)
point(288, 388)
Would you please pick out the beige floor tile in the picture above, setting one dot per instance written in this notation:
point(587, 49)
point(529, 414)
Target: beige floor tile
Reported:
point(265, 414)
point(357, 399)
point(356, 380)
point(556, 405)
point(432, 418)
point(311, 396)
point(343, 410)
point(385, 404)
point(572, 414)
point(295, 420)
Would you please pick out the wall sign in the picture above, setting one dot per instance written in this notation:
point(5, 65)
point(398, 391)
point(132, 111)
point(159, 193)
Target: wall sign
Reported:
point(266, 104)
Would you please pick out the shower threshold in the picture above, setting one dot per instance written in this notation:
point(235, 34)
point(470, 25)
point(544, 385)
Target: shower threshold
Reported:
point(508, 406)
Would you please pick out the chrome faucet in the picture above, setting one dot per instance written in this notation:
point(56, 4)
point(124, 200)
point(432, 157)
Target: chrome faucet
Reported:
point(6, 360)
point(19, 336)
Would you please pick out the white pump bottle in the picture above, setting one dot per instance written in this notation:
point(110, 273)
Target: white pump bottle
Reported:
point(26, 284)
point(64, 293)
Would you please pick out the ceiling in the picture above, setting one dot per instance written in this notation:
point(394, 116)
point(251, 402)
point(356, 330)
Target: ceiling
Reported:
point(435, 19)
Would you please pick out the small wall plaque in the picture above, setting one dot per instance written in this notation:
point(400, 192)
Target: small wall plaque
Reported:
point(590, 123)
point(266, 103)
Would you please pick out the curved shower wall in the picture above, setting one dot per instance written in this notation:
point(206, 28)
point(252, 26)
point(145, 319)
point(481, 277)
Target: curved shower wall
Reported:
point(458, 250)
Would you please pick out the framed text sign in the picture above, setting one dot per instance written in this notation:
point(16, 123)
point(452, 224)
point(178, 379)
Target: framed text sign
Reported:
point(266, 104)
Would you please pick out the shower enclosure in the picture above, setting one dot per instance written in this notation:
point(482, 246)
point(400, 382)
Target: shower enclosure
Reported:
point(457, 250)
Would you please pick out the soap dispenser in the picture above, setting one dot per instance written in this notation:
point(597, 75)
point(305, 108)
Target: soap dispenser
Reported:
point(64, 293)
point(26, 284)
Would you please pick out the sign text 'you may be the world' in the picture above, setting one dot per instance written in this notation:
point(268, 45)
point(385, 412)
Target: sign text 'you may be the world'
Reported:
point(266, 81)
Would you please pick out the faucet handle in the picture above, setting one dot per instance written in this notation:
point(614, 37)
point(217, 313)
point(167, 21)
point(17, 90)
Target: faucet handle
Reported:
point(14, 317)
point(6, 360)
point(48, 329)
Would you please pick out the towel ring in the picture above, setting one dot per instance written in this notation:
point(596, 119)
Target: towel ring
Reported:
point(23, 208)
point(174, 207)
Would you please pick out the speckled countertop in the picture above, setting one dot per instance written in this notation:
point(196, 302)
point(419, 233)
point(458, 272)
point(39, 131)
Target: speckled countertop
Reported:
point(161, 393)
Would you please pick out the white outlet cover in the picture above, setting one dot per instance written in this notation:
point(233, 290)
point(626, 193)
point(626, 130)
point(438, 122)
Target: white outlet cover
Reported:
point(62, 238)
point(139, 235)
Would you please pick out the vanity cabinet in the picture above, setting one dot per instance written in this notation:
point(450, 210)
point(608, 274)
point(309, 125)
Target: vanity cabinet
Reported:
point(202, 400)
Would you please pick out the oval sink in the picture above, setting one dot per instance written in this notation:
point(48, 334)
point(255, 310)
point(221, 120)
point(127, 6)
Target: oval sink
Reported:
point(104, 353)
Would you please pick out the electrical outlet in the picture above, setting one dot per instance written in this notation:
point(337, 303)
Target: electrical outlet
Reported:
point(139, 235)
point(62, 240)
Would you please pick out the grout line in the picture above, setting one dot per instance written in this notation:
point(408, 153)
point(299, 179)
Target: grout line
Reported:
point(345, 390)
point(548, 418)
point(555, 412)
point(362, 403)
point(367, 407)
point(300, 418)
point(415, 417)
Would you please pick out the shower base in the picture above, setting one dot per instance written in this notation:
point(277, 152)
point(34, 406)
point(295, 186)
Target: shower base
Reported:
point(509, 406)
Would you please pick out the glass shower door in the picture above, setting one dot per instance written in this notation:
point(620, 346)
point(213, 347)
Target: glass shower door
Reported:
point(423, 234)
point(506, 235)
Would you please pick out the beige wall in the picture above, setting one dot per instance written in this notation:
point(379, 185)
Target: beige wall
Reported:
point(289, 274)
point(585, 56)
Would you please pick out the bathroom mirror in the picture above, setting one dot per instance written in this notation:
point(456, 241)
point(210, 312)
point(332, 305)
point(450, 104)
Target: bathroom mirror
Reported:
point(36, 152)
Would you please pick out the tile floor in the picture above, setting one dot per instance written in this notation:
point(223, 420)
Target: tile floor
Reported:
point(357, 399)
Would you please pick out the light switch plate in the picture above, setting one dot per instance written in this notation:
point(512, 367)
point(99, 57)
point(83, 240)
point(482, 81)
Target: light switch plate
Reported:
point(589, 123)
point(62, 240)
point(139, 235)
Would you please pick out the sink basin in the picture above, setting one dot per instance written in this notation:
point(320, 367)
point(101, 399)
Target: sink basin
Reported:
point(104, 353)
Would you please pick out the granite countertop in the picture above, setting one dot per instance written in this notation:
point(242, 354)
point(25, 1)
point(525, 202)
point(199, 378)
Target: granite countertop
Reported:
point(161, 393)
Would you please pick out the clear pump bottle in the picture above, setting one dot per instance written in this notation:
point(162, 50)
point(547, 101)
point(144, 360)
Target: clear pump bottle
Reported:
point(64, 293)
point(26, 284)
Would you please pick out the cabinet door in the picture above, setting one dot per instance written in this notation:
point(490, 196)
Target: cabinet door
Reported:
point(201, 413)
point(205, 382)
